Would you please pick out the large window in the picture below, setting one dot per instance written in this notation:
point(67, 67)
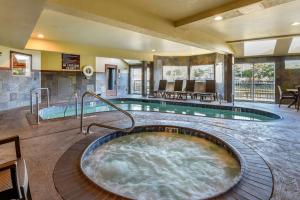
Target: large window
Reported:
point(172, 73)
point(254, 81)
point(292, 64)
point(202, 72)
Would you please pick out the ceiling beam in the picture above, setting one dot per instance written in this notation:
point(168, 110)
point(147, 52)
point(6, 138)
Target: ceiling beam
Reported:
point(282, 46)
point(215, 11)
point(264, 38)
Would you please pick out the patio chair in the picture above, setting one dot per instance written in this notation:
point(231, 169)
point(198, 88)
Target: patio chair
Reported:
point(189, 90)
point(161, 89)
point(210, 91)
point(177, 88)
point(283, 96)
point(13, 175)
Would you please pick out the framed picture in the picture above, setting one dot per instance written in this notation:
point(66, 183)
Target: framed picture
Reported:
point(20, 63)
point(70, 62)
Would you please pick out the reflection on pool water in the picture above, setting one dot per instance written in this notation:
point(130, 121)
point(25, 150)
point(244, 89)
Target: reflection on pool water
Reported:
point(162, 165)
point(134, 105)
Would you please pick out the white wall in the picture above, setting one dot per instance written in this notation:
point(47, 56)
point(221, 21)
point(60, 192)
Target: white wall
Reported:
point(122, 76)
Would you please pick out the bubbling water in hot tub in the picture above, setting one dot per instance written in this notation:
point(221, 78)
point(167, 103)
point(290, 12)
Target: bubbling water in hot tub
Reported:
point(162, 165)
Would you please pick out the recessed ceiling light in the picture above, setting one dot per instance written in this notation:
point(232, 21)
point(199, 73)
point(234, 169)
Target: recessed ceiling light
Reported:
point(153, 50)
point(296, 24)
point(41, 36)
point(218, 18)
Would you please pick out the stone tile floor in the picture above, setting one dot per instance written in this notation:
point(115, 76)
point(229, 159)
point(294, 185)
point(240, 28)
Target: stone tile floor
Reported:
point(278, 142)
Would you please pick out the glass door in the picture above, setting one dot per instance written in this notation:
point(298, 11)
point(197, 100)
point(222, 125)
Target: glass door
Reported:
point(111, 78)
point(264, 82)
point(243, 81)
point(254, 82)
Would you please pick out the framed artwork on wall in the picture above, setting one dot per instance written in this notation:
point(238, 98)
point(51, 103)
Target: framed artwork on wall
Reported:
point(20, 63)
point(70, 62)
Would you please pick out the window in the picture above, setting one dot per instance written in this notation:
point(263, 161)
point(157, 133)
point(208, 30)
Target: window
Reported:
point(292, 64)
point(295, 45)
point(202, 72)
point(20, 63)
point(172, 73)
point(261, 47)
point(254, 81)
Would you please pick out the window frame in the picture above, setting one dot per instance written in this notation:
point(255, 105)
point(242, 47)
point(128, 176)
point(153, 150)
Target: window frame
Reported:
point(203, 80)
point(177, 66)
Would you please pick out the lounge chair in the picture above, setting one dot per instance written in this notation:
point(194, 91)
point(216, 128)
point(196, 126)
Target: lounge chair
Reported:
point(284, 95)
point(210, 91)
point(189, 90)
point(161, 89)
point(13, 175)
point(177, 88)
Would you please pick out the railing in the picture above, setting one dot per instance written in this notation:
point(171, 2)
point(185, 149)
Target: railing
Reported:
point(102, 125)
point(74, 95)
point(36, 90)
point(258, 90)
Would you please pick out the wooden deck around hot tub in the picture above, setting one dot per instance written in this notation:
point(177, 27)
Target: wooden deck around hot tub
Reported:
point(71, 183)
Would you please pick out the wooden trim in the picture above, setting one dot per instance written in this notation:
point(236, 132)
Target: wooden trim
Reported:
point(215, 11)
point(17, 144)
point(46, 70)
point(5, 68)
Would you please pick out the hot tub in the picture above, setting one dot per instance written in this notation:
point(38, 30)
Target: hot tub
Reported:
point(162, 162)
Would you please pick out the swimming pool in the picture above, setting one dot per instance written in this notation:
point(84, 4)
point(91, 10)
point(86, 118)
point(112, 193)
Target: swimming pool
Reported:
point(131, 104)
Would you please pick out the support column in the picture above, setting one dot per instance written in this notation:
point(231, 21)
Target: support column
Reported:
point(144, 78)
point(228, 77)
point(151, 66)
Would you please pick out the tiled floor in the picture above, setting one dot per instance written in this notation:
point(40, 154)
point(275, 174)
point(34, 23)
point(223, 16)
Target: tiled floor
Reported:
point(278, 142)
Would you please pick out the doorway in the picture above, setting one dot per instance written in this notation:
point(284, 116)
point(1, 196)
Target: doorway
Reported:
point(111, 80)
point(254, 82)
point(136, 80)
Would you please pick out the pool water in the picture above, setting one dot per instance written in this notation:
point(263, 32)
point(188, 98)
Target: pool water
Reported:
point(133, 105)
point(162, 165)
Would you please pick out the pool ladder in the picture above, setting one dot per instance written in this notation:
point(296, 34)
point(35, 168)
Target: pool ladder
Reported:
point(103, 125)
point(74, 96)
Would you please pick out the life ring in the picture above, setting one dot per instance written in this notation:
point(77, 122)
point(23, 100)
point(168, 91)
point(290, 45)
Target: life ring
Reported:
point(88, 71)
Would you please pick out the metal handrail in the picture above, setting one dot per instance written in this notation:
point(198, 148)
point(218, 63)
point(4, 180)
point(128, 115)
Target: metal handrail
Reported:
point(36, 90)
point(75, 95)
point(102, 125)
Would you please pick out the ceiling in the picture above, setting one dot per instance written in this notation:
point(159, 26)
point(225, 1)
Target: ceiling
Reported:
point(175, 9)
point(170, 27)
point(62, 27)
point(18, 18)
point(273, 21)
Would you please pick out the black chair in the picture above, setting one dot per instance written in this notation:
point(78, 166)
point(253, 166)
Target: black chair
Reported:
point(177, 88)
point(189, 90)
point(161, 89)
point(210, 91)
point(13, 175)
point(283, 96)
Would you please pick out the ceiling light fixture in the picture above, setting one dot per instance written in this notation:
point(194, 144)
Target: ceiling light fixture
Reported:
point(218, 18)
point(41, 36)
point(153, 50)
point(296, 24)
